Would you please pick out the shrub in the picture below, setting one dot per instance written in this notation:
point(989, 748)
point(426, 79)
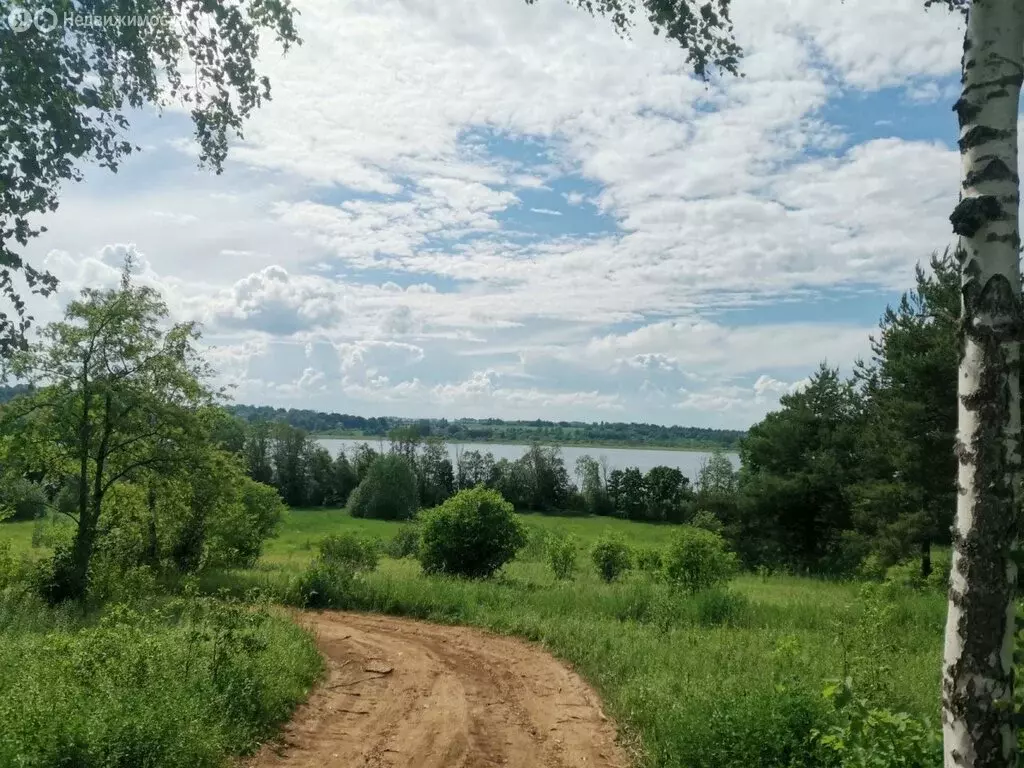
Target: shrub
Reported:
point(562, 552)
point(474, 533)
point(348, 549)
point(859, 734)
point(698, 560)
point(388, 492)
point(612, 558)
point(707, 521)
point(649, 559)
point(328, 580)
point(175, 688)
point(22, 500)
point(406, 543)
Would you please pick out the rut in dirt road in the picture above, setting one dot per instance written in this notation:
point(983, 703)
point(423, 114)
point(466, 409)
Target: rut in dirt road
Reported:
point(403, 694)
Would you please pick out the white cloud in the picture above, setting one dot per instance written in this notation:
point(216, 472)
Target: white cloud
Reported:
point(369, 219)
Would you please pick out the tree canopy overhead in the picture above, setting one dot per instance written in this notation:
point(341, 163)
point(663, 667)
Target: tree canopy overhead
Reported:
point(66, 95)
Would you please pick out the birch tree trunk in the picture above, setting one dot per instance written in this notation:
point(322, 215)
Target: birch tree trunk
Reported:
point(978, 676)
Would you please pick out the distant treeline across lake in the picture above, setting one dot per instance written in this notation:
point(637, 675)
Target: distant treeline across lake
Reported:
point(688, 462)
point(618, 434)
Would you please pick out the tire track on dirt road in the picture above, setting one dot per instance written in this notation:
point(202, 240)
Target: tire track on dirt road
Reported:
point(404, 694)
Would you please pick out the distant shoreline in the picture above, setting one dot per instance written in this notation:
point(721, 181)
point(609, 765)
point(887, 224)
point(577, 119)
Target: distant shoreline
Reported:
point(622, 445)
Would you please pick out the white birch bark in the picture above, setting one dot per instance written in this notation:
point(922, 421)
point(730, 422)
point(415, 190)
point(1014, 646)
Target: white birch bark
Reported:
point(977, 686)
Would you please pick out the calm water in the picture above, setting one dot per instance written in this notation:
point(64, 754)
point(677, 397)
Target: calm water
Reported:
point(688, 462)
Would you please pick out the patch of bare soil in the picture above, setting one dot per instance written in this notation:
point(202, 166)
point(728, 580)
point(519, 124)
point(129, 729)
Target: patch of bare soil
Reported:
point(404, 694)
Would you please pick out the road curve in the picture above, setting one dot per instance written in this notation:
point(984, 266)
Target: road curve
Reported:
point(404, 694)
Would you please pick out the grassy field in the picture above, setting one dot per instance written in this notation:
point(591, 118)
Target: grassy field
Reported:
point(707, 681)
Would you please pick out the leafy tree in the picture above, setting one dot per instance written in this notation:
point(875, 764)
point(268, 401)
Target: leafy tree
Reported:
point(562, 552)
point(257, 453)
point(345, 480)
point(473, 534)
point(548, 481)
point(632, 494)
point(288, 452)
point(388, 492)
point(435, 473)
point(475, 469)
point(119, 396)
point(405, 441)
point(65, 97)
point(320, 473)
point(362, 459)
point(595, 497)
point(668, 494)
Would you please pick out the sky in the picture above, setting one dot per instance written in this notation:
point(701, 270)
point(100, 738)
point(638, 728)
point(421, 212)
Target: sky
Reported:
point(490, 209)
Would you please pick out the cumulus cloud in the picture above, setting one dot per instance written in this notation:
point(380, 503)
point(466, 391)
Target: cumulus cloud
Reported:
point(374, 222)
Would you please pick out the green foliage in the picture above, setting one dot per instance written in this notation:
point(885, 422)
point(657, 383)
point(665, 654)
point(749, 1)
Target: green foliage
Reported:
point(649, 560)
point(718, 606)
point(612, 558)
point(388, 492)
point(472, 534)
point(328, 580)
point(562, 554)
point(707, 521)
point(405, 543)
point(77, 89)
point(859, 735)
point(698, 559)
point(182, 687)
point(22, 500)
point(121, 396)
point(493, 430)
point(351, 550)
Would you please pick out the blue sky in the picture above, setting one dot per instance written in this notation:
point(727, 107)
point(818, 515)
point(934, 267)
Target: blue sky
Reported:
point(516, 213)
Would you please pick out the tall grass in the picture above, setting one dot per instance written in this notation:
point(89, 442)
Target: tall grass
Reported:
point(182, 685)
point(723, 679)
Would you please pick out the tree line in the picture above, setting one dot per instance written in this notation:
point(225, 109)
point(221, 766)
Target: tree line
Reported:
point(494, 430)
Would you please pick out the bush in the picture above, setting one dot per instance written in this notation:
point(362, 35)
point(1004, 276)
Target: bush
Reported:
point(474, 533)
point(649, 560)
point(698, 560)
point(707, 521)
point(350, 550)
point(562, 556)
point(859, 734)
point(406, 543)
point(389, 491)
point(22, 500)
point(328, 580)
point(179, 688)
point(612, 558)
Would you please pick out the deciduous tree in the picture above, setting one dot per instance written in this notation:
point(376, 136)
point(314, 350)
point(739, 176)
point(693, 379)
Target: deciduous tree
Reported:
point(66, 95)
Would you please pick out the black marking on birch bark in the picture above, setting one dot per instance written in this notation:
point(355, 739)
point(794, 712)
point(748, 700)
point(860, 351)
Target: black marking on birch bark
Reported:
point(981, 134)
point(983, 553)
point(995, 169)
point(966, 111)
point(972, 213)
point(1002, 83)
point(1012, 238)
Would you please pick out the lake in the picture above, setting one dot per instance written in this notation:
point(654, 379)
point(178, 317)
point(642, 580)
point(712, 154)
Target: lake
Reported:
point(688, 462)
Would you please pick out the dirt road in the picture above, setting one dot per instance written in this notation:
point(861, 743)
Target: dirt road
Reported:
point(402, 694)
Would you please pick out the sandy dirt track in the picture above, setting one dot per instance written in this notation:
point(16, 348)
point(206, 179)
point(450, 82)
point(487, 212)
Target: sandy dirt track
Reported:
point(404, 694)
